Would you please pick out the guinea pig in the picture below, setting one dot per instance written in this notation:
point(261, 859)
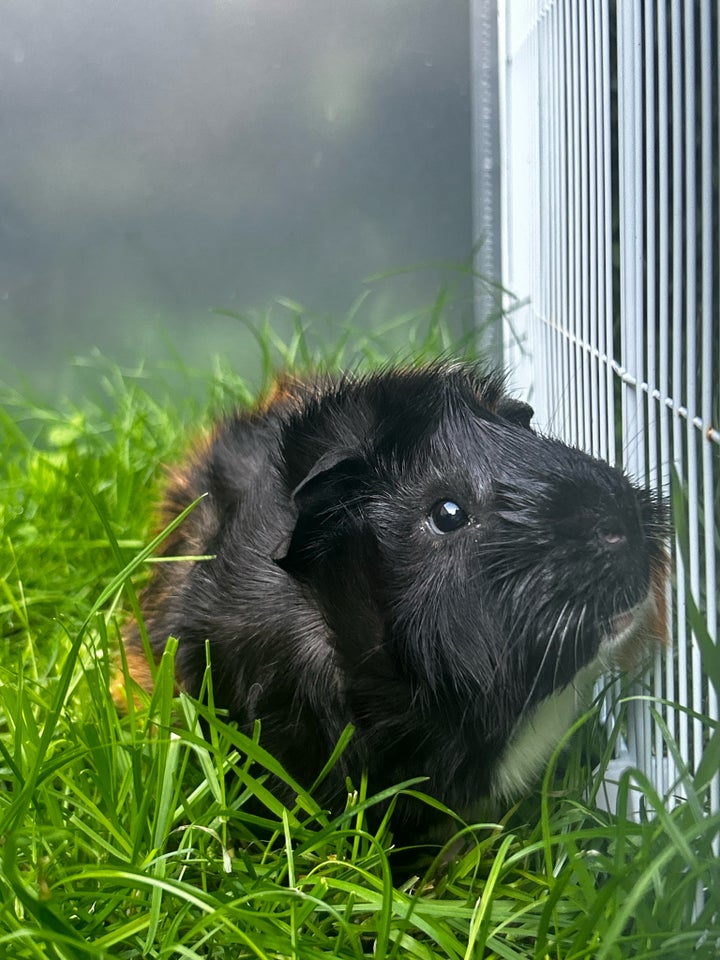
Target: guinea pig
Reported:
point(403, 553)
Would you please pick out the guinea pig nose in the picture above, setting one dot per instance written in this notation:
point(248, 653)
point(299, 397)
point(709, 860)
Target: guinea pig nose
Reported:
point(613, 539)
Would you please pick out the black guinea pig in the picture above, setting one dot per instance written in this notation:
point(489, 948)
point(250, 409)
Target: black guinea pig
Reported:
point(403, 552)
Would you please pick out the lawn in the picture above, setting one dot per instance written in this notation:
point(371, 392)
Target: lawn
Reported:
point(124, 836)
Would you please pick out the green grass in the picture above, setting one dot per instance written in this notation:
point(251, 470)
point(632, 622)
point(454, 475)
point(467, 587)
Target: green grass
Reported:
point(123, 836)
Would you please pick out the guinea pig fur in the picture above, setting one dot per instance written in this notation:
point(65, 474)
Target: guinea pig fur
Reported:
point(402, 552)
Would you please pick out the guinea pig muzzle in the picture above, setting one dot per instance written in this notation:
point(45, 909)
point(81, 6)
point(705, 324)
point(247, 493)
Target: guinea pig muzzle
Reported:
point(634, 634)
point(581, 562)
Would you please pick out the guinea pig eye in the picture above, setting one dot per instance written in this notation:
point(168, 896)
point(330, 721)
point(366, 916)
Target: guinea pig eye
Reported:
point(447, 516)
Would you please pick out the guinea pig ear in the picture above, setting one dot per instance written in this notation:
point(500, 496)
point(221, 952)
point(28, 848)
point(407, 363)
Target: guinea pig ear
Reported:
point(321, 517)
point(516, 412)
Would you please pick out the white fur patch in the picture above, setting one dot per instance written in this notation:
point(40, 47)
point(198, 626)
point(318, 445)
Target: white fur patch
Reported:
point(537, 734)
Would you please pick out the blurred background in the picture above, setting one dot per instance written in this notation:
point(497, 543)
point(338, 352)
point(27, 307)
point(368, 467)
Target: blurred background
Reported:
point(160, 161)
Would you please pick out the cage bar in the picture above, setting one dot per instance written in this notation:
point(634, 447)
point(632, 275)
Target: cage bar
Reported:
point(621, 128)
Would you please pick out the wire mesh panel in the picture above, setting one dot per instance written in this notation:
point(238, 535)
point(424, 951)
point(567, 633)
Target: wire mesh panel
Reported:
point(610, 193)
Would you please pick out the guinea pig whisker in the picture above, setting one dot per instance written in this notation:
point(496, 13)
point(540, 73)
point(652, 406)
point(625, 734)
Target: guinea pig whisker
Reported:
point(560, 645)
point(576, 644)
point(538, 673)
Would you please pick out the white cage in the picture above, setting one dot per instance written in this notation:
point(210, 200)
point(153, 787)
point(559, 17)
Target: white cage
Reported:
point(609, 168)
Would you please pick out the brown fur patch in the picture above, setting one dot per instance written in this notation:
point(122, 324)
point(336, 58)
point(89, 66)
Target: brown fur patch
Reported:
point(283, 391)
point(181, 489)
point(659, 573)
point(139, 670)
